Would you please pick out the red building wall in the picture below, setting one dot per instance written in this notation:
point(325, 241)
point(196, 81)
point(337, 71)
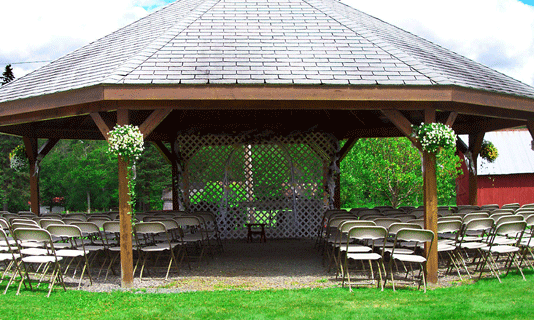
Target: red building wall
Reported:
point(502, 189)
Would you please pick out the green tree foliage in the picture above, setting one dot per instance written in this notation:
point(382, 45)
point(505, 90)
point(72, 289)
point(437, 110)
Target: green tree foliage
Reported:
point(154, 174)
point(387, 171)
point(7, 75)
point(79, 170)
point(15, 192)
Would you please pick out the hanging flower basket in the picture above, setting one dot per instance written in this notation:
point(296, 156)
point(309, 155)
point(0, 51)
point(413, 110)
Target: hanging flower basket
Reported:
point(488, 151)
point(126, 141)
point(17, 158)
point(435, 136)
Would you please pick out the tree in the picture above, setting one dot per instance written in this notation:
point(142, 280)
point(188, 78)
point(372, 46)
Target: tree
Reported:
point(388, 171)
point(7, 75)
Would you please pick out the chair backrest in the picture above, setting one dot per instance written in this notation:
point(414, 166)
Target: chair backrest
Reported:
point(481, 224)
point(386, 222)
point(18, 225)
point(4, 224)
point(111, 226)
point(44, 223)
point(394, 228)
point(509, 218)
point(367, 233)
point(474, 215)
point(31, 234)
point(512, 229)
point(64, 230)
point(449, 226)
point(22, 220)
point(80, 216)
point(418, 235)
point(150, 227)
point(448, 218)
point(87, 227)
point(188, 221)
point(170, 224)
point(71, 220)
point(530, 220)
point(347, 225)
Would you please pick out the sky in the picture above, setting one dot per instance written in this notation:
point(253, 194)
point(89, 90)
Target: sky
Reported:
point(496, 33)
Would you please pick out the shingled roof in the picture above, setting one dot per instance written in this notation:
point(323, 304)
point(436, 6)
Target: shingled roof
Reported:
point(242, 42)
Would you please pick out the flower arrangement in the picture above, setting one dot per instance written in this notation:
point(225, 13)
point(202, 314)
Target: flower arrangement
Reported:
point(434, 136)
point(17, 158)
point(488, 151)
point(126, 141)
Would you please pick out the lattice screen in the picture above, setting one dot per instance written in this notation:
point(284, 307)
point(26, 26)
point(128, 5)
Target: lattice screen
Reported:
point(280, 181)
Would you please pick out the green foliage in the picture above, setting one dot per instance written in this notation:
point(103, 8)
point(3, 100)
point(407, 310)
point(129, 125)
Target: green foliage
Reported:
point(79, 170)
point(388, 171)
point(154, 174)
point(15, 192)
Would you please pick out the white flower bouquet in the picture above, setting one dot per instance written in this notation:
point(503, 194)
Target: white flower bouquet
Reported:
point(17, 158)
point(434, 136)
point(126, 141)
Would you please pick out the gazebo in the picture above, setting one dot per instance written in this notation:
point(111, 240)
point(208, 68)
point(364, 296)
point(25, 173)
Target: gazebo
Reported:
point(249, 99)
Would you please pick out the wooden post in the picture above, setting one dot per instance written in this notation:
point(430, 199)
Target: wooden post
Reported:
point(31, 151)
point(125, 214)
point(175, 179)
point(475, 144)
point(431, 204)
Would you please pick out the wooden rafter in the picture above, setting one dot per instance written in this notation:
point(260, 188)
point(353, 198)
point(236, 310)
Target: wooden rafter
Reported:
point(403, 124)
point(155, 118)
point(346, 148)
point(101, 124)
point(451, 118)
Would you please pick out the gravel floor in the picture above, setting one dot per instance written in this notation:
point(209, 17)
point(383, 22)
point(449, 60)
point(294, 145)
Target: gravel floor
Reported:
point(277, 264)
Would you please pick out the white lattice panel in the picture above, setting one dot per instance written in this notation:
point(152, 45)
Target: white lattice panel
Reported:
point(279, 182)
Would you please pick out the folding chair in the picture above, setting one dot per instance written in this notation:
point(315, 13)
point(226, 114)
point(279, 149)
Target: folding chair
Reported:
point(76, 252)
point(369, 234)
point(145, 233)
point(513, 230)
point(193, 234)
point(48, 259)
point(10, 258)
point(418, 237)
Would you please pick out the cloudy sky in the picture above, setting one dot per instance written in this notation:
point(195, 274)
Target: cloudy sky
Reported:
point(497, 33)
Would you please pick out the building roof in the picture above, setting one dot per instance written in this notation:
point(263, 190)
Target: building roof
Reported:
point(515, 153)
point(261, 42)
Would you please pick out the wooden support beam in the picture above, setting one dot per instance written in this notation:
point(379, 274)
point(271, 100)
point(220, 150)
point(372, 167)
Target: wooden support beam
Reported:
point(165, 153)
point(403, 124)
point(31, 145)
point(175, 177)
point(451, 119)
point(430, 195)
point(101, 124)
point(125, 210)
point(47, 147)
point(346, 148)
point(475, 144)
point(151, 123)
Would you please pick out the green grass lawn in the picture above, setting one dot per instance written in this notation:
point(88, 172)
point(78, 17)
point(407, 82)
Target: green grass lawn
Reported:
point(486, 299)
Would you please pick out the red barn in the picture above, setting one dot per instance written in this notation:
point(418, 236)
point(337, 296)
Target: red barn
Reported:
point(510, 178)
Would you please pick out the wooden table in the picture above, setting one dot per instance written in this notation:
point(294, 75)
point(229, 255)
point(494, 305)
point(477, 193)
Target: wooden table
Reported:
point(256, 228)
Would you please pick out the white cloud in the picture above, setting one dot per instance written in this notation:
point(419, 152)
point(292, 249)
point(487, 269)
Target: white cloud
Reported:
point(46, 30)
point(496, 33)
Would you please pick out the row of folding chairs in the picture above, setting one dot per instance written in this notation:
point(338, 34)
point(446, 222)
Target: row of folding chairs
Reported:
point(356, 243)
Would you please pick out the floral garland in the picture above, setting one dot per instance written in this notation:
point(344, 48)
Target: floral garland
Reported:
point(127, 141)
point(434, 136)
point(17, 158)
point(488, 151)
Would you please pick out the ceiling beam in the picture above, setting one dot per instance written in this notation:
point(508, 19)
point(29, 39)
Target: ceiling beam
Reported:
point(403, 124)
